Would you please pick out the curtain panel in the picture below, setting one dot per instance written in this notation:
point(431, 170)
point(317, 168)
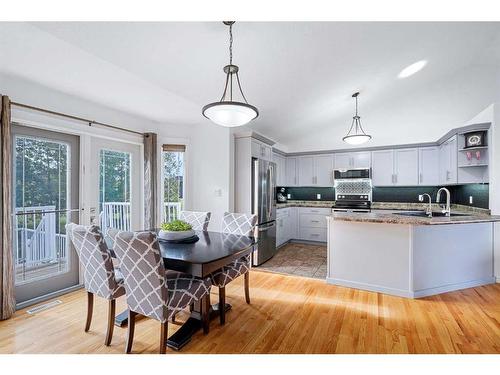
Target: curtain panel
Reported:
point(7, 300)
point(151, 202)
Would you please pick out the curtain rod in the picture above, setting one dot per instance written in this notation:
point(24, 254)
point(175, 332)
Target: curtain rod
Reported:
point(89, 122)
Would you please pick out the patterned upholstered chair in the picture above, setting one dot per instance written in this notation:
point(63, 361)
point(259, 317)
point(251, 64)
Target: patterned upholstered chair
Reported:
point(153, 291)
point(198, 220)
point(100, 276)
point(242, 224)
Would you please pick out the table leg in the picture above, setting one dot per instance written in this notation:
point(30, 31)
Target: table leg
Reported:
point(183, 335)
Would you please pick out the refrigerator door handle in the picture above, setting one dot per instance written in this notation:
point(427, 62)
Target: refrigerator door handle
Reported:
point(268, 226)
point(270, 187)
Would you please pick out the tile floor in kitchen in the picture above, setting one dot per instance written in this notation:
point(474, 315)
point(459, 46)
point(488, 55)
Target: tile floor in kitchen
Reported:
point(298, 259)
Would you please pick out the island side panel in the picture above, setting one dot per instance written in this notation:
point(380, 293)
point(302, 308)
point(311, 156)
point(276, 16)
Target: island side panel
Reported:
point(452, 257)
point(370, 256)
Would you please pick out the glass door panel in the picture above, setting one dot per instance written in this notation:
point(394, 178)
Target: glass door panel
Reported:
point(45, 191)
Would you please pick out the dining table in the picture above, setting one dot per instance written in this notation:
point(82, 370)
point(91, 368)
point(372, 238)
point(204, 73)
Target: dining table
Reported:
point(211, 252)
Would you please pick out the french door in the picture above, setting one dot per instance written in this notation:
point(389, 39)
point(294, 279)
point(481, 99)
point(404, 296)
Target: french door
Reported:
point(46, 197)
point(115, 184)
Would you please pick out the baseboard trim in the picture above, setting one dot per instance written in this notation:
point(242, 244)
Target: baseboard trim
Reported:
point(307, 242)
point(370, 287)
point(46, 297)
point(412, 294)
point(453, 287)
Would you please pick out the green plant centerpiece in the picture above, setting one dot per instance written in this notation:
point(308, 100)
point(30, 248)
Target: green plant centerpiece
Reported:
point(176, 230)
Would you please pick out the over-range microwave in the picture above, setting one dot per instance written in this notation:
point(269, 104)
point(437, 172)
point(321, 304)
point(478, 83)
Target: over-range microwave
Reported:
point(348, 174)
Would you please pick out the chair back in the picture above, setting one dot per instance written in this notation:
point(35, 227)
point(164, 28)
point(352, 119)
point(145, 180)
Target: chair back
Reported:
point(95, 258)
point(198, 220)
point(143, 271)
point(241, 224)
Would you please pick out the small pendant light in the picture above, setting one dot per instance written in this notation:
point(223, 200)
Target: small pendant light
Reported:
point(228, 112)
point(356, 134)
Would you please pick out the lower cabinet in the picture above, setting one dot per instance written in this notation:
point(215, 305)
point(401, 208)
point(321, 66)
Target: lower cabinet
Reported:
point(312, 223)
point(301, 223)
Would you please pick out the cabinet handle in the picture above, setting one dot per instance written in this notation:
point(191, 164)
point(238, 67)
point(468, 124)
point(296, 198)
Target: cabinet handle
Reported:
point(314, 221)
point(314, 234)
point(447, 175)
point(396, 178)
point(420, 178)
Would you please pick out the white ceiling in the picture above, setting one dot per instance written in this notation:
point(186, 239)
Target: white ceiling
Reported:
point(300, 75)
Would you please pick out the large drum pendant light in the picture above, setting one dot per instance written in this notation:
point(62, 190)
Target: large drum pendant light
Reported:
point(228, 111)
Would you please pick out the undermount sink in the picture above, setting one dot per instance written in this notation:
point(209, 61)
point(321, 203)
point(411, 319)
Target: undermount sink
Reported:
point(423, 214)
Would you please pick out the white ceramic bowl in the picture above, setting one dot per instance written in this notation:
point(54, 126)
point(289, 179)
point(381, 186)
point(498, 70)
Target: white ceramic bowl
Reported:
point(175, 236)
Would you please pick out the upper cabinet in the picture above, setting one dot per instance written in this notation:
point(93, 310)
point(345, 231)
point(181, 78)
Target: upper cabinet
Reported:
point(406, 167)
point(383, 168)
point(395, 167)
point(280, 162)
point(261, 150)
point(448, 161)
point(350, 160)
point(323, 170)
point(291, 171)
point(315, 170)
point(428, 164)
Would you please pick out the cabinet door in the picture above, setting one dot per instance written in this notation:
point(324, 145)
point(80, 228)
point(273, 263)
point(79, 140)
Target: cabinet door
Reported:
point(267, 152)
point(280, 169)
point(428, 164)
point(293, 223)
point(306, 171)
point(279, 231)
point(406, 167)
point(453, 175)
point(323, 170)
point(383, 168)
point(343, 160)
point(257, 149)
point(361, 159)
point(291, 171)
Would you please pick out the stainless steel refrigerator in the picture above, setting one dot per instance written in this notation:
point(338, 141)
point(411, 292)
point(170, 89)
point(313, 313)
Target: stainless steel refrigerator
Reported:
point(264, 205)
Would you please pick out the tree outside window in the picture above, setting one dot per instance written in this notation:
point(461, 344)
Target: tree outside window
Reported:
point(173, 180)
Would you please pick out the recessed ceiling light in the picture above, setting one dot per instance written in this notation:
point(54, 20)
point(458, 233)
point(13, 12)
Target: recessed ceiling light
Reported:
point(412, 69)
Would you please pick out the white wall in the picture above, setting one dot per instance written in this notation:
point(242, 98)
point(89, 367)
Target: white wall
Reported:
point(208, 145)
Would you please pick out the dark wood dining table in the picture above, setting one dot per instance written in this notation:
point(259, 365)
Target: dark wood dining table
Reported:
point(212, 251)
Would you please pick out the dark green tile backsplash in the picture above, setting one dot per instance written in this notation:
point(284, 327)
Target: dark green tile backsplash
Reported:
point(459, 194)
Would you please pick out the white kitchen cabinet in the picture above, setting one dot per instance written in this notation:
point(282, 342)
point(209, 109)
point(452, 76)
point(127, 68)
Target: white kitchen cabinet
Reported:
point(448, 161)
point(293, 223)
point(323, 170)
point(280, 169)
point(361, 159)
point(261, 150)
point(383, 168)
point(350, 160)
point(395, 167)
point(428, 166)
point(312, 223)
point(406, 167)
point(306, 171)
point(315, 170)
point(291, 171)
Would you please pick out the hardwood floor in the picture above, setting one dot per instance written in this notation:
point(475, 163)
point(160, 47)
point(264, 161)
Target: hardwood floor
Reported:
point(288, 314)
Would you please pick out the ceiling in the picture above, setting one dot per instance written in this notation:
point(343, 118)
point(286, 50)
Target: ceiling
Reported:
point(299, 74)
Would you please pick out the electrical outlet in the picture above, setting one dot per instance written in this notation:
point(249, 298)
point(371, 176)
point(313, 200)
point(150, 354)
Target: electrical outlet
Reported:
point(471, 200)
point(289, 196)
point(318, 196)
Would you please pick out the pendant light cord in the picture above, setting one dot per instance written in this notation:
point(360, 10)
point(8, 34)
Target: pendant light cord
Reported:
point(231, 44)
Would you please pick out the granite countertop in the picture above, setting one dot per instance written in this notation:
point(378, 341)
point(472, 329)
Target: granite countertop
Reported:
point(391, 218)
point(291, 203)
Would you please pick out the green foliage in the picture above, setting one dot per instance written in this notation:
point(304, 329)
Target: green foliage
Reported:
point(173, 171)
point(176, 226)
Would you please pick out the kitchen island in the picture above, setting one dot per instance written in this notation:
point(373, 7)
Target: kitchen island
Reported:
point(407, 255)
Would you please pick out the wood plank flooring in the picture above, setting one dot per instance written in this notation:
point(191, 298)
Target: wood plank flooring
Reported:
point(288, 314)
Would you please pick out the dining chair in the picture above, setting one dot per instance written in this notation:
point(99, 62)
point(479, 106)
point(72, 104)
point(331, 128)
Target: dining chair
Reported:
point(199, 220)
point(99, 275)
point(153, 291)
point(240, 224)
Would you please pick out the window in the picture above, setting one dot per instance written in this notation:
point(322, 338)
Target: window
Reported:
point(173, 180)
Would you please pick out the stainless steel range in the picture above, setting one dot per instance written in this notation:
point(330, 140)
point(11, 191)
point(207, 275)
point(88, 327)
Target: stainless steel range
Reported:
point(353, 190)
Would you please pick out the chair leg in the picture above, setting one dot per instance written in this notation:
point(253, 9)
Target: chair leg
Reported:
point(247, 287)
point(111, 321)
point(206, 313)
point(222, 305)
point(173, 317)
point(131, 328)
point(90, 308)
point(163, 337)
